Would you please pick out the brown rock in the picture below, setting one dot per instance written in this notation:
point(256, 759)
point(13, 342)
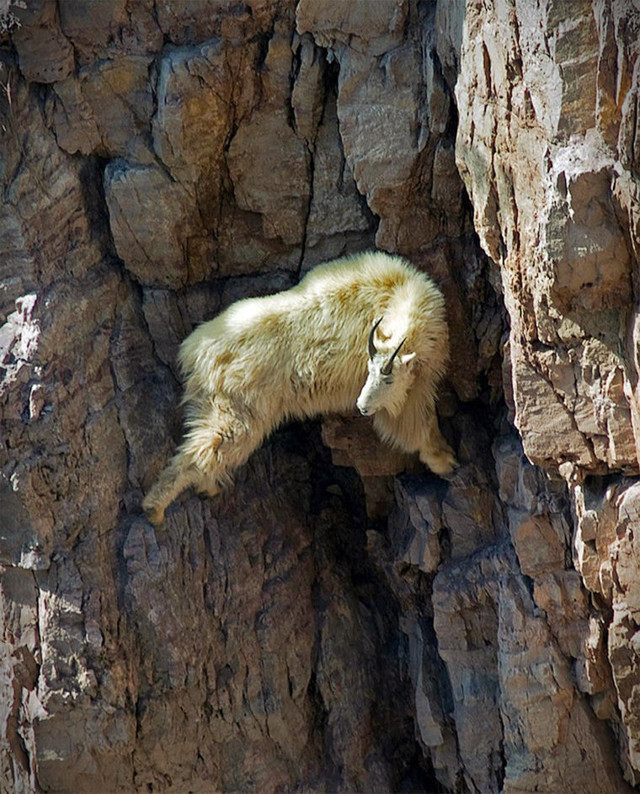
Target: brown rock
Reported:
point(44, 52)
point(563, 247)
point(354, 443)
point(271, 179)
point(491, 621)
point(202, 93)
point(359, 24)
point(606, 557)
point(415, 527)
point(336, 215)
point(151, 253)
point(307, 94)
point(106, 109)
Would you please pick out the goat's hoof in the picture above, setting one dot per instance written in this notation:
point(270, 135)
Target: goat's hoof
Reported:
point(153, 513)
point(441, 463)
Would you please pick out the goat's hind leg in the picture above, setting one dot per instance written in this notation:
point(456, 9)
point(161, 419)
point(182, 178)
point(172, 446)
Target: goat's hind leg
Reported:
point(217, 443)
point(195, 464)
point(174, 478)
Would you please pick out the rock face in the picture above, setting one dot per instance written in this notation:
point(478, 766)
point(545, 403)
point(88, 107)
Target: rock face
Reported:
point(341, 619)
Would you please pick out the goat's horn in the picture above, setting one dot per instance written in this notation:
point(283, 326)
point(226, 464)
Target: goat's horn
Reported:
point(386, 370)
point(372, 347)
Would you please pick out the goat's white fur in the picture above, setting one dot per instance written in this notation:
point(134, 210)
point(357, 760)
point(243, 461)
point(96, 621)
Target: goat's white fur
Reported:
point(303, 352)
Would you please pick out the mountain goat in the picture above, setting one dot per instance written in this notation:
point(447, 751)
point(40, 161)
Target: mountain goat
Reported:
point(304, 352)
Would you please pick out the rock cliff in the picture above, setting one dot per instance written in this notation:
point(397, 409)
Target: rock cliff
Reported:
point(342, 620)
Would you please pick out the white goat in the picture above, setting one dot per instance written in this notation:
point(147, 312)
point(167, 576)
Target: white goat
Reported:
point(303, 352)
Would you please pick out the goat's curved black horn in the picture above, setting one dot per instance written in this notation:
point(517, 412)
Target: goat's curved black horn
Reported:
point(372, 347)
point(388, 366)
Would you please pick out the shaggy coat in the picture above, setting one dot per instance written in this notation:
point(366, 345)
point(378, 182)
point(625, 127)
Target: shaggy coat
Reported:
point(304, 352)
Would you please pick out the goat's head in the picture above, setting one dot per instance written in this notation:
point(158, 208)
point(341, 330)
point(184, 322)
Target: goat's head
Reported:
point(390, 376)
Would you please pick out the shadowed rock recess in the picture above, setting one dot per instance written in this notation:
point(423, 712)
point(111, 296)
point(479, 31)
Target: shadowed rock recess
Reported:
point(342, 620)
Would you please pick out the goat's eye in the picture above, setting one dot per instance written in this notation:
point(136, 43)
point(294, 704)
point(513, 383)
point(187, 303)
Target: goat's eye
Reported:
point(388, 381)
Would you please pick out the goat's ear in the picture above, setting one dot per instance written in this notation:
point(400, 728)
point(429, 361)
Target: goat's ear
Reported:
point(407, 358)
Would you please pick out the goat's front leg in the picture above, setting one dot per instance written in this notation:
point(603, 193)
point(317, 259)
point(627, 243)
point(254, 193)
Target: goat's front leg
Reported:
point(434, 450)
